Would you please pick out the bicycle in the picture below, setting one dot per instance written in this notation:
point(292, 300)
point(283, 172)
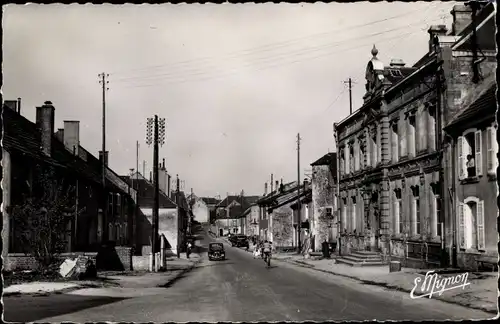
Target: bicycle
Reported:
point(267, 258)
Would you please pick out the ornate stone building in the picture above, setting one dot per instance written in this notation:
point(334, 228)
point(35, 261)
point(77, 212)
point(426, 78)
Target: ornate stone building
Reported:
point(393, 193)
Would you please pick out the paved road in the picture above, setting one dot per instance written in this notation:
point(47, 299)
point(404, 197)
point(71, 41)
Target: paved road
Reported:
point(30, 308)
point(243, 289)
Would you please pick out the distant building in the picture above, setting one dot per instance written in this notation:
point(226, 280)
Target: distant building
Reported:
point(229, 214)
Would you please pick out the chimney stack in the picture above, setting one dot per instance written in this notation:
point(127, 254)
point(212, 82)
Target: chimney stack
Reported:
point(272, 182)
point(306, 182)
point(265, 189)
point(60, 135)
point(150, 176)
point(435, 30)
point(71, 137)
point(462, 17)
point(106, 157)
point(168, 184)
point(19, 106)
point(45, 122)
point(281, 185)
point(277, 185)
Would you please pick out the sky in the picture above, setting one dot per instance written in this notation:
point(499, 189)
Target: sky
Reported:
point(235, 83)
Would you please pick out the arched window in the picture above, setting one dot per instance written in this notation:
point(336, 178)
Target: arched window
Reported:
point(471, 224)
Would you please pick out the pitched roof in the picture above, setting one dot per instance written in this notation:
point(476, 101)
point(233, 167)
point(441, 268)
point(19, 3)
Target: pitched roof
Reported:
point(326, 159)
point(485, 29)
point(145, 192)
point(289, 196)
point(210, 200)
point(242, 200)
point(484, 105)
point(23, 136)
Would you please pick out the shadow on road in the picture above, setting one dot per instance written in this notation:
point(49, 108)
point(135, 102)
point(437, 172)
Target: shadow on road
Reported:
point(28, 308)
point(215, 264)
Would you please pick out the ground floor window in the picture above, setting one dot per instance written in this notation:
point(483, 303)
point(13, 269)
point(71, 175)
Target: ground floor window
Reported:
point(471, 224)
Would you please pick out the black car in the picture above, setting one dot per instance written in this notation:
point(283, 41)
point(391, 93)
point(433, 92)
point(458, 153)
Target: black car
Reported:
point(216, 251)
point(240, 241)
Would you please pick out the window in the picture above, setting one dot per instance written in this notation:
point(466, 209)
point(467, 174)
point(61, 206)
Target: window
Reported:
point(347, 160)
point(351, 158)
point(395, 142)
point(492, 149)
point(437, 214)
point(344, 214)
point(110, 232)
point(471, 224)
point(469, 155)
point(397, 209)
point(432, 128)
point(329, 211)
point(353, 214)
point(416, 211)
point(361, 156)
point(355, 156)
point(374, 149)
point(110, 203)
point(411, 135)
point(342, 161)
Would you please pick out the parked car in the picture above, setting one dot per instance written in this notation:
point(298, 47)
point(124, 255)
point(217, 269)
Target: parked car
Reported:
point(240, 241)
point(216, 252)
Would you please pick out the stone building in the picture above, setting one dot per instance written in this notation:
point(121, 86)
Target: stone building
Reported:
point(393, 193)
point(324, 207)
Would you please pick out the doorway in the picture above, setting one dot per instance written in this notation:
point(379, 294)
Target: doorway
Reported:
point(221, 232)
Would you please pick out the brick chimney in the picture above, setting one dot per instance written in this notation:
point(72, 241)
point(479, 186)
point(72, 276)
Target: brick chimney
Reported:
point(265, 189)
point(306, 182)
point(10, 104)
point(277, 186)
point(435, 30)
point(45, 122)
point(60, 135)
point(71, 136)
point(169, 179)
point(462, 17)
point(106, 157)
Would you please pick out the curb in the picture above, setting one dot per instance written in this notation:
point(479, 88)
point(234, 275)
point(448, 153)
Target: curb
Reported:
point(384, 285)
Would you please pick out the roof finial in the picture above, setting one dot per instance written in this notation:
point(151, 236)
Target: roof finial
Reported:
point(374, 51)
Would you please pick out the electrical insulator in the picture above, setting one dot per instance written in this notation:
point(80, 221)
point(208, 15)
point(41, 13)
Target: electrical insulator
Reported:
point(149, 131)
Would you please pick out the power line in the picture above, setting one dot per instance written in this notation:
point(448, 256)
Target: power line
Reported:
point(265, 59)
point(271, 45)
point(233, 72)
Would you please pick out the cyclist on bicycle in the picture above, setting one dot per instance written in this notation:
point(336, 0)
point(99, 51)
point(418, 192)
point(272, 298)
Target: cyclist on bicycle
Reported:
point(266, 248)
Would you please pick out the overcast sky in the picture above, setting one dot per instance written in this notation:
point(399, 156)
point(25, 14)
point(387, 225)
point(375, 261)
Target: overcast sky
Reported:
point(236, 83)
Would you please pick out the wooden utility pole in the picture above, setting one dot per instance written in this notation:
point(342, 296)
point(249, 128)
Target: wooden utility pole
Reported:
point(349, 82)
point(299, 209)
point(104, 84)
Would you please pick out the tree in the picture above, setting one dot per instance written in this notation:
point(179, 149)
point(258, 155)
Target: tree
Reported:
point(40, 222)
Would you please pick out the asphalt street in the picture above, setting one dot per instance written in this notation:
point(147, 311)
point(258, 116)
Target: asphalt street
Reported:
point(243, 289)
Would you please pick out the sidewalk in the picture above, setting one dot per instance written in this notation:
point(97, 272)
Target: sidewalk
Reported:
point(113, 283)
point(481, 294)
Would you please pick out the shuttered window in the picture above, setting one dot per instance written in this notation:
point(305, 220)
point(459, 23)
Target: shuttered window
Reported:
point(479, 156)
point(461, 226)
point(491, 146)
point(346, 155)
point(356, 156)
point(480, 225)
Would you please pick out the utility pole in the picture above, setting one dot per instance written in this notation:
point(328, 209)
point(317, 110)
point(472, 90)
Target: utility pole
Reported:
point(104, 84)
point(179, 219)
point(349, 82)
point(299, 209)
point(155, 134)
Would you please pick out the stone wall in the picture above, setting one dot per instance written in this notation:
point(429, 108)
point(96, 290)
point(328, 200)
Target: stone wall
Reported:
point(282, 226)
point(323, 196)
point(21, 261)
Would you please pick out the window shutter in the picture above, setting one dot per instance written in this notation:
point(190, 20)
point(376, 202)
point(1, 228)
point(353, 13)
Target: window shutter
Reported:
point(356, 156)
point(480, 226)
point(461, 226)
point(490, 150)
point(460, 164)
point(479, 156)
point(347, 157)
point(396, 216)
point(354, 217)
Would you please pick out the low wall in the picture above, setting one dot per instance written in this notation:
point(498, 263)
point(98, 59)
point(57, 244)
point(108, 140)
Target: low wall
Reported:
point(21, 261)
point(140, 262)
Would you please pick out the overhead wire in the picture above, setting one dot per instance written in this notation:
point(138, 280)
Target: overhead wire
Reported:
point(268, 47)
point(264, 59)
point(234, 72)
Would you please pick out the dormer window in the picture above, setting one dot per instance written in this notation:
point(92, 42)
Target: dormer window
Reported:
point(395, 73)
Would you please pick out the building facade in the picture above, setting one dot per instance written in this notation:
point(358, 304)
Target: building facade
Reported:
point(324, 206)
point(474, 147)
point(393, 193)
